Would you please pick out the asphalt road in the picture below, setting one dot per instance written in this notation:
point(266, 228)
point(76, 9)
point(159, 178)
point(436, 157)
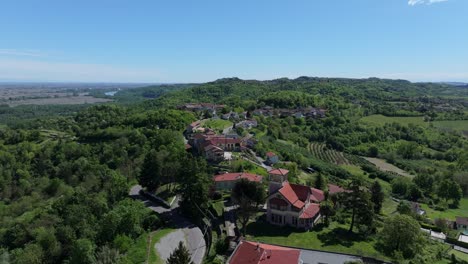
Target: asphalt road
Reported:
point(186, 231)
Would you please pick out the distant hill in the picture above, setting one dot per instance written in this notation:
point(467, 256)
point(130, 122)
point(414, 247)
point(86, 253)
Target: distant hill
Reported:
point(233, 90)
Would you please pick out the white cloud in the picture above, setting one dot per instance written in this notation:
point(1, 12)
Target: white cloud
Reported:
point(35, 70)
point(27, 53)
point(427, 2)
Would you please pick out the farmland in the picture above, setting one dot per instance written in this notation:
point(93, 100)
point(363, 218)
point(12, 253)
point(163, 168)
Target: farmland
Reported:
point(59, 100)
point(385, 166)
point(458, 125)
point(320, 151)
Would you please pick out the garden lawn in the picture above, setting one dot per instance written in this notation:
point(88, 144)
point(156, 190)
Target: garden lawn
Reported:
point(217, 123)
point(450, 214)
point(218, 206)
point(459, 255)
point(334, 238)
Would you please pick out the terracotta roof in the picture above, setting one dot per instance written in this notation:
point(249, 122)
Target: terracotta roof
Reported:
point(256, 253)
point(332, 189)
point(311, 211)
point(292, 196)
point(270, 154)
point(301, 191)
point(461, 220)
point(237, 176)
point(316, 195)
point(278, 172)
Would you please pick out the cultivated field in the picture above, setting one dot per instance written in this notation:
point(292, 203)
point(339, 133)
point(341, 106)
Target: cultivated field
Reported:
point(80, 99)
point(319, 151)
point(381, 120)
point(458, 125)
point(385, 166)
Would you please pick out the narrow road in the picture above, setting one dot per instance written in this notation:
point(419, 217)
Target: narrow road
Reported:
point(186, 231)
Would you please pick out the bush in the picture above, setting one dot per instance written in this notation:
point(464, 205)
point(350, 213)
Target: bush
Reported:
point(221, 245)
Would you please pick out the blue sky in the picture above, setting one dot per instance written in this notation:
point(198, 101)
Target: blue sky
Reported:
point(196, 41)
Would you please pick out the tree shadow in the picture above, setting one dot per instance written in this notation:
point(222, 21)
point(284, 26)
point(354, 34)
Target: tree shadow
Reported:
point(339, 236)
point(264, 229)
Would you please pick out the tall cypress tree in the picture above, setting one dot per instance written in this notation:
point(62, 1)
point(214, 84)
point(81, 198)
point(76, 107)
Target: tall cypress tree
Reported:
point(377, 196)
point(180, 255)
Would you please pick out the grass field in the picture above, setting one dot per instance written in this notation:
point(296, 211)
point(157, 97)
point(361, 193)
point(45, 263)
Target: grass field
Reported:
point(334, 238)
point(385, 166)
point(217, 123)
point(450, 214)
point(459, 125)
point(459, 255)
point(381, 120)
point(356, 170)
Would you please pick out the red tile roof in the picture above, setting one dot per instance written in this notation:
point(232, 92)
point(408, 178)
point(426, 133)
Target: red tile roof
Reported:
point(295, 198)
point(311, 211)
point(316, 195)
point(237, 176)
point(332, 189)
point(256, 253)
point(278, 172)
point(301, 191)
point(270, 154)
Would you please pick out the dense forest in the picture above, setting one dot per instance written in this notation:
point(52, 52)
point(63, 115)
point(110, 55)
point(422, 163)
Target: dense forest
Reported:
point(66, 171)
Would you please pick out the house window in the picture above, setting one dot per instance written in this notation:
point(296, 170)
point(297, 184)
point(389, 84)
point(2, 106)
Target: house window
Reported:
point(277, 219)
point(294, 221)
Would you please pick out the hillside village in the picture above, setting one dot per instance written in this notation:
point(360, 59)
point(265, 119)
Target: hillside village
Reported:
point(310, 170)
point(286, 204)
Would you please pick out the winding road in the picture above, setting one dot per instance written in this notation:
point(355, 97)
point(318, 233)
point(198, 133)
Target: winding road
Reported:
point(186, 231)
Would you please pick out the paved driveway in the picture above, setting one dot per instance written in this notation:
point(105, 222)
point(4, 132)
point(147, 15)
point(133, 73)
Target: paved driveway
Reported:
point(186, 231)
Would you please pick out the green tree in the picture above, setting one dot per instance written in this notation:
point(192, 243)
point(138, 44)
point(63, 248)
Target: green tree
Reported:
point(377, 196)
point(107, 255)
point(31, 254)
point(194, 185)
point(327, 210)
point(320, 181)
point(149, 176)
point(359, 204)
point(180, 255)
point(400, 186)
point(373, 151)
point(450, 190)
point(401, 233)
point(82, 252)
point(404, 207)
point(424, 182)
point(248, 196)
